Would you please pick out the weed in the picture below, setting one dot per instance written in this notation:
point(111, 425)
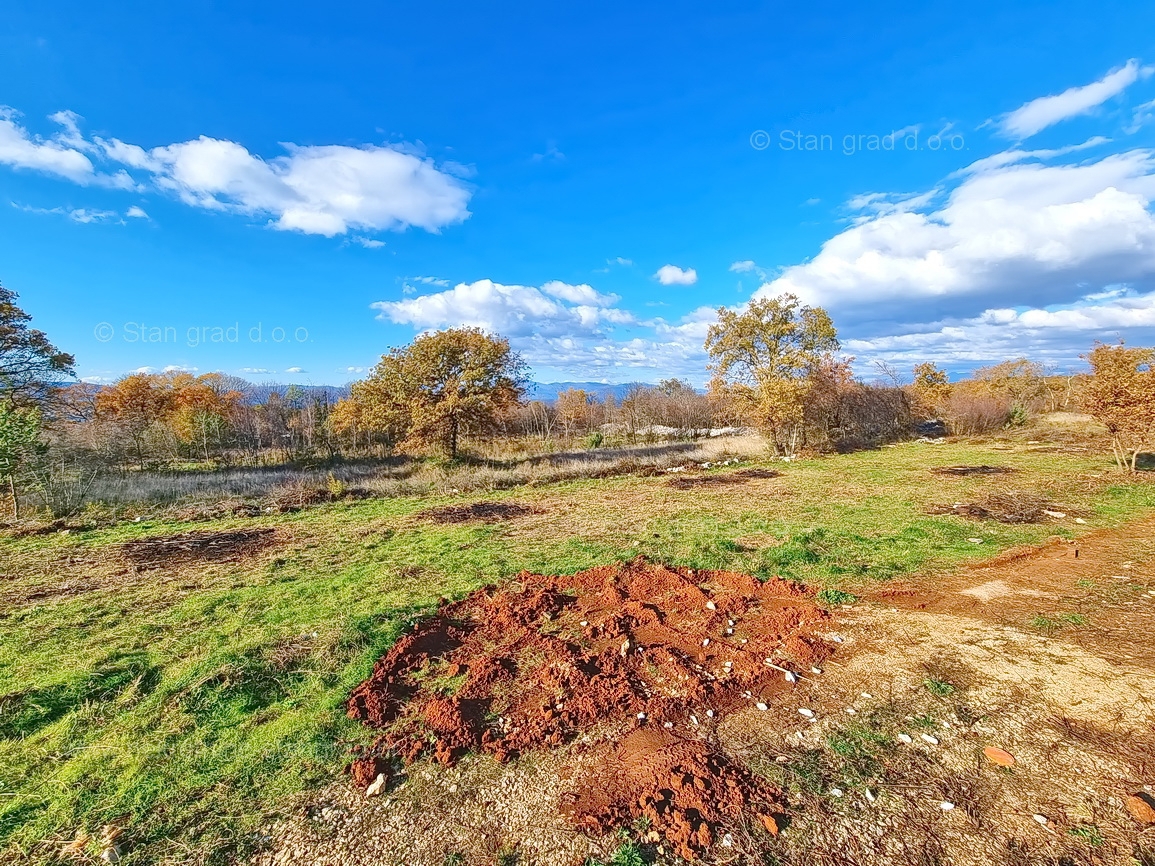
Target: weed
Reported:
point(938, 688)
point(835, 597)
point(1042, 623)
point(1089, 833)
point(629, 854)
point(453, 858)
point(507, 856)
point(1074, 618)
point(861, 750)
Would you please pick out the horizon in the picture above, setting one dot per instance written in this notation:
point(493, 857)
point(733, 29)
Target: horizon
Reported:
point(956, 198)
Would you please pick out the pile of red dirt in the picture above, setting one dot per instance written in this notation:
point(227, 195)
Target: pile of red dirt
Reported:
point(651, 654)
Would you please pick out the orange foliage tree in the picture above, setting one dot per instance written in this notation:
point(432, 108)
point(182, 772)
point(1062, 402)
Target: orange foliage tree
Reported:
point(1121, 394)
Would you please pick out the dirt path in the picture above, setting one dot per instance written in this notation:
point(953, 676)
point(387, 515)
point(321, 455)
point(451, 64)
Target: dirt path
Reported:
point(1098, 593)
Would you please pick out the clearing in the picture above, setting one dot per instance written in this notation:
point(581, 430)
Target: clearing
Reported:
point(199, 704)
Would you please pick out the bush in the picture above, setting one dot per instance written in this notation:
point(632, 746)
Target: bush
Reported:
point(970, 414)
point(595, 440)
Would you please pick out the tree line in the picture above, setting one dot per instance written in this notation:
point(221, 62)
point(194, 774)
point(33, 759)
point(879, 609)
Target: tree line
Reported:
point(775, 366)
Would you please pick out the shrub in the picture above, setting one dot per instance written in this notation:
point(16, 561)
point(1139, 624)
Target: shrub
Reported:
point(970, 414)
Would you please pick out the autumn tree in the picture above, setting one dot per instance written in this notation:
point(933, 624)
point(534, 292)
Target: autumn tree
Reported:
point(763, 357)
point(135, 403)
point(1121, 394)
point(573, 410)
point(201, 408)
point(440, 387)
point(1020, 382)
point(30, 366)
point(929, 390)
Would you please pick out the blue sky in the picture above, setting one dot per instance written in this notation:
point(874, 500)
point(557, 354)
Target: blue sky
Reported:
point(283, 193)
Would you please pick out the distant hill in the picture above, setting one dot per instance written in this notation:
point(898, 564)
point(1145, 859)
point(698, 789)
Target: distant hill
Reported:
point(547, 391)
point(258, 393)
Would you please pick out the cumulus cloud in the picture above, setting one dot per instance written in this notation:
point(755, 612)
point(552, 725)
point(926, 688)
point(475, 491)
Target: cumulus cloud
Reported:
point(295, 370)
point(1040, 232)
point(562, 329)
point(672, 275)
point(1057, 334)
point(1045, 111)
point(21, 150)
point(323, 189)
point(554, 309)
point(136, 212)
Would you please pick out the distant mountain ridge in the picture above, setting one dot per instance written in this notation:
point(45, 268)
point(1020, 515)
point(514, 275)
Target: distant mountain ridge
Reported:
point(547, 391)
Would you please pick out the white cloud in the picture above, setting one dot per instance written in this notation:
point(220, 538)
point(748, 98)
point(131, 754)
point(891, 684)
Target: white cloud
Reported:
point(21, 150)
point(562, 329)
point(136, 212)
point(367, 243)
point(749, 267)
point(295, 370)
point(1045, 111)
point(672, 275)
point(326, 189)
point(1056, 334)
point(555, 309)
point(255, 371)
point(582, 294)
point(79, 215)
point(1141, 116)
point(1034, 231)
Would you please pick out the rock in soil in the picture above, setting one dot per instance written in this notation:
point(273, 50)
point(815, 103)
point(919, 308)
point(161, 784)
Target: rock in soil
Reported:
point(1142, 808)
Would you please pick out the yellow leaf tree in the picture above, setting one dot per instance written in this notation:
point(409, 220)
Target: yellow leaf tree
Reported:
point(442, 386)
point(1121, 394)
point(762, 359)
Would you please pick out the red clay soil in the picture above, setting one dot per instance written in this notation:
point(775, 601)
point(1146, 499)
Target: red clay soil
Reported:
point(646, 650)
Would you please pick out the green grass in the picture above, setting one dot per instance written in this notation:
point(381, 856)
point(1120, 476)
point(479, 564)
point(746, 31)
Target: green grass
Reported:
point(191, 710)
point(938, 688)
point(835, 597)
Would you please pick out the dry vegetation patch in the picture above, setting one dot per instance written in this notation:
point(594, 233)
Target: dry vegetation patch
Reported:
point(167, 551)
point(1008, 507)
point(482, 512)
point(972, 470)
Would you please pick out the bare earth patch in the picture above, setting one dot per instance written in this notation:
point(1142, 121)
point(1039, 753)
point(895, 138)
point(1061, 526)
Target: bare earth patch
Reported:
point(972, 470)
point(482, 512)
point(1009, 507)
point(168, 551)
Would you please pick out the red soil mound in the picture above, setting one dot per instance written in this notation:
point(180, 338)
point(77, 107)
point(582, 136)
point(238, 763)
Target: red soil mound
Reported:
point(660, 653)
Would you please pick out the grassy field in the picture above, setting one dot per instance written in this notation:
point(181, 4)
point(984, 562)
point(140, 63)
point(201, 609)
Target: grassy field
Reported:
point(189, 703)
